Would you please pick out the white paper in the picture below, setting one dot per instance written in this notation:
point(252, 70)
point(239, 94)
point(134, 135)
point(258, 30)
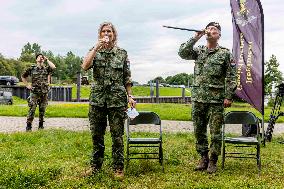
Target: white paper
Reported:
point(132, 113)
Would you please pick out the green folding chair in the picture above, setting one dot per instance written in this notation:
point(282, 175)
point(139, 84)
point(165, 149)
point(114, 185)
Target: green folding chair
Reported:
point(155, 144)
point(239, 118)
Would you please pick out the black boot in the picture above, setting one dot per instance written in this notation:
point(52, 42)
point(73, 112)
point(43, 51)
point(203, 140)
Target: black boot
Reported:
point(212, 167)
point(29, 127)
point(40, 125)
point(203, 163)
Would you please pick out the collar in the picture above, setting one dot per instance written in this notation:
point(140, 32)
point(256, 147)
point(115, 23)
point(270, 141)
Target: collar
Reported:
point(214, 49)
point(109, 51)
point(37, 66)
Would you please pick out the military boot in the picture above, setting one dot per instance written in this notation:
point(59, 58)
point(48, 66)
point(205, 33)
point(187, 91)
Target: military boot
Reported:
point(90, 172)
point(29, 127)
point(203, 163)
point(119, 174)
point(40, 125)
point(212, 167)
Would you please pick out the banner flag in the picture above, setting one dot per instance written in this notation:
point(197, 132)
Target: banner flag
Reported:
point(248, 50)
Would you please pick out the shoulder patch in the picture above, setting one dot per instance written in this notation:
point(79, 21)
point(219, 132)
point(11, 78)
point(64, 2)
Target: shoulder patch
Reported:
point(233, 63)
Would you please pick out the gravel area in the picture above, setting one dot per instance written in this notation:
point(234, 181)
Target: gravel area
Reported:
point(18, 124)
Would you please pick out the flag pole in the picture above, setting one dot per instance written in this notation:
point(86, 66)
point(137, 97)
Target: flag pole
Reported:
point(262, 28)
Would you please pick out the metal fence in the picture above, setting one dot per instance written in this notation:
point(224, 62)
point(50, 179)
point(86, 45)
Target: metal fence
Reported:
point(56, 93)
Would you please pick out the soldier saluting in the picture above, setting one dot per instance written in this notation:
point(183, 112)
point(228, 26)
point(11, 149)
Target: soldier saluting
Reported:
point(40, 78)
point(213, 89)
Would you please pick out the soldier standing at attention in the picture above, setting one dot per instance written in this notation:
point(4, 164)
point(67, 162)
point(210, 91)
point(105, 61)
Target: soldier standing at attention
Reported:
point(109, 96)
point(213, 89)
point(40, 77)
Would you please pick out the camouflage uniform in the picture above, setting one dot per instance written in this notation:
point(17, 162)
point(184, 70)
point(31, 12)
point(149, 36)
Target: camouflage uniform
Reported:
point(214, 81)
point(39, 91)
point(108, 98)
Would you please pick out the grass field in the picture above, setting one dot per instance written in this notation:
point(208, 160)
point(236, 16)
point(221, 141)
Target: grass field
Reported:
point(166, 111)
point(136, 91)
point(58, 159)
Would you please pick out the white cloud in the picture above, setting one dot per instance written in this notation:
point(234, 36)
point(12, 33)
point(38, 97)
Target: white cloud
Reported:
point(71, 25)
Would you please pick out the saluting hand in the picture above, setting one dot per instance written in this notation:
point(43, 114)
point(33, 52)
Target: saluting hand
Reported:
point(199, 34)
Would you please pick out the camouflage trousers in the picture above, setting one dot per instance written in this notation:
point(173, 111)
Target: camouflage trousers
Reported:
point(202, 115)
point(98, 123)
point(40, 99)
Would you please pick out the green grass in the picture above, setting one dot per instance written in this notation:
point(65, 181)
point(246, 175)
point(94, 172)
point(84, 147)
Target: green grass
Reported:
point(136, 91)
point(166, 111)
point(57, 159)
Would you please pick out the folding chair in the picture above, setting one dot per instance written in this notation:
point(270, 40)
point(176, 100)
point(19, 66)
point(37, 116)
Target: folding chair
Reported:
point(239, 118)
point(154, 143)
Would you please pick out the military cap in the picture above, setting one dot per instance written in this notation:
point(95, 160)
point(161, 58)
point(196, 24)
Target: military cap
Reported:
point(216, 24)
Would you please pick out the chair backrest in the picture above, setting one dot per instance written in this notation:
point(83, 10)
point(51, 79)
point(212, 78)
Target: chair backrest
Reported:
point(146, 118)
point(240, 117)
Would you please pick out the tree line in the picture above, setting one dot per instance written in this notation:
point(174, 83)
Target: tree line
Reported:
point(272, 77)
point(178, 79)
point(69, 64)
point(66, 66)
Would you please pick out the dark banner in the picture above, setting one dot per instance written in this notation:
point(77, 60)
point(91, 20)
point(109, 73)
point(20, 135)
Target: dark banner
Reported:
point(248, 28)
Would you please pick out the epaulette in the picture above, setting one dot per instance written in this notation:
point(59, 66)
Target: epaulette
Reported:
point(224, 48)
point(201, 46)
point(121, 50)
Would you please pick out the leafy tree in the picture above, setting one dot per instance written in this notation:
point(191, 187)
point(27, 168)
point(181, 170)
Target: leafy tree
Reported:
point(159, 78)
point(60, 71)
point(5, 67)
point(272, 75)
point(29, 52)
point(180, 79)
point(73, 64)
point(12, 67)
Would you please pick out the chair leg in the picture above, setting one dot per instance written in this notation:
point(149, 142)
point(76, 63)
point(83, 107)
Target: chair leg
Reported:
point(160, 154)
point(127, 155)
point(161, 158)
point(258, 158)
point(223, 156)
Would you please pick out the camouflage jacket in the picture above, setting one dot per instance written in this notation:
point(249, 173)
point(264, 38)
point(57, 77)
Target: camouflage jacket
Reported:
point(111, 72)
point(39, 77)
point(214, 72)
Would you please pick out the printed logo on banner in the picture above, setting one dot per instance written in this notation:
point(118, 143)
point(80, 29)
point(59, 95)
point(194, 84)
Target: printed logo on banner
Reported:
point(243, 16)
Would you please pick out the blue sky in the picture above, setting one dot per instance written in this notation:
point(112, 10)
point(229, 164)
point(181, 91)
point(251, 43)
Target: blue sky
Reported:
point(71, 25)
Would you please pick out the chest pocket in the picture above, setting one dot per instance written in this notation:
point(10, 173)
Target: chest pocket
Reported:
point(99, 65)
point(215, 66)
point(117, 69)
point(198, 67)
point(199, 64)
point(39, 75)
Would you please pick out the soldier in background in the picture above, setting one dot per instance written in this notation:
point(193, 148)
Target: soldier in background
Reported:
point(213, 89)
point(109, 96)
point(40, 77)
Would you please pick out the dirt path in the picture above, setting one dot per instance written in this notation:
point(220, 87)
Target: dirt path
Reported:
point(18, 124)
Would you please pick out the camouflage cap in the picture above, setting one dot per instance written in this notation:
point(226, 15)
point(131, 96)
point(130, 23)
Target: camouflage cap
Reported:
point(216, 24)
